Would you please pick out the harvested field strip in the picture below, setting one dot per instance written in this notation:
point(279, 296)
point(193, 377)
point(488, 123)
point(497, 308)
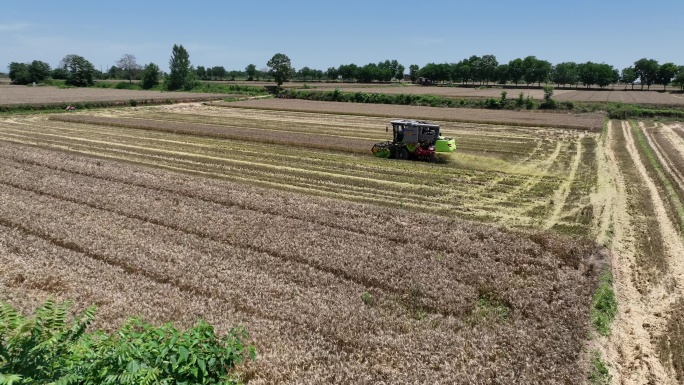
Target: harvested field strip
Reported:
point(151, 179)
point(577, 211)
point(509, 118)
point(444, 189)
point(352, 128)
point(508, 141)
point(649, 256)
point(234, 267)
point(303, 140)
point(665, 169)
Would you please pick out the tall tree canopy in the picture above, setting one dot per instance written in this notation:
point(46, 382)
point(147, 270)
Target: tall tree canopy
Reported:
point(280, 68)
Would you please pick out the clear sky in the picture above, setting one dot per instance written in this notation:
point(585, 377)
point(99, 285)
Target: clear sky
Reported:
point(320, 34)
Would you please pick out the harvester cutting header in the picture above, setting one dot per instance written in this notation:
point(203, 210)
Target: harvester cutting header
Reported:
point(414, 139)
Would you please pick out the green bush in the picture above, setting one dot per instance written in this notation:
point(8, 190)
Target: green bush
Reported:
point(47, 348)
point(604, 305)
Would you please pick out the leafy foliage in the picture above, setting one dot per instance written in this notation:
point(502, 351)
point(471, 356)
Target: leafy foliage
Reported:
point(181, 75)
point(280, 68)
point(22, 73)
point(79, 71)
point(150, 76)
point(47, 348)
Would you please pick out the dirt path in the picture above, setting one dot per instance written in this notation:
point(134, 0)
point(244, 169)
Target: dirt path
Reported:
point(631, 350)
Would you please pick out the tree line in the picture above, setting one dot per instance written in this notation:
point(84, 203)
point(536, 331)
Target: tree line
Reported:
point(483, 70)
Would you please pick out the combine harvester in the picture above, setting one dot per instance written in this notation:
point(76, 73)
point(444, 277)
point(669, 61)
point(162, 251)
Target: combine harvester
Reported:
point(414, 139)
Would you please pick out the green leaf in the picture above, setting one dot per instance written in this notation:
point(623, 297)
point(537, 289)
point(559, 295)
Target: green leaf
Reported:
point(184, 353)
point(133, 366)
point(202, 366)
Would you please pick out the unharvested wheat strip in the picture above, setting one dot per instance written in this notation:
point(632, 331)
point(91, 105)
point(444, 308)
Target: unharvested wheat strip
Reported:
point(190, 219)
point(168, 269)
point(219, 192)
point(479, 255)
point(120, 295)
point(240, 282)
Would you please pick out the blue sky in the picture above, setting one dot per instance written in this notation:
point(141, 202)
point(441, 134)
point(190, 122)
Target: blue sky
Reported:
point(321, 34)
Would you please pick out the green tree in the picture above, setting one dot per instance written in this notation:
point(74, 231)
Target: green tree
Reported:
point(129, 65)
point(586, 73)
point(606, 75)
point(251, 71)
point(679, 78)
point(218, 72)
point(501, 75)
point(536, 70)
point(181, 74)
point(19, 73)
point(516, 70)
point(460, 72)
point(280, 68)
point(233, 74)
point(150, 76)
point(201, 72)
point(647, 71)
point(332, 73)
point(413, 72)
point(665, 74)
point(304, 73)
point(79, 71)
point(39, 71)
point(399, 75)
point(564, 73)
point(487, 70)
point(628, 76)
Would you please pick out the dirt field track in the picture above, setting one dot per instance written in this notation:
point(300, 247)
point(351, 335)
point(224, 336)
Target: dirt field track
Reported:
point(52, 95)
point(347, 268)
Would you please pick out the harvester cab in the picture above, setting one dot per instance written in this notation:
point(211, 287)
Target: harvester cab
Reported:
point(413, 139)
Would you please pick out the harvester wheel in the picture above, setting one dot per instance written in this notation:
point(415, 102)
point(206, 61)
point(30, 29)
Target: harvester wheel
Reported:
point(401, 154)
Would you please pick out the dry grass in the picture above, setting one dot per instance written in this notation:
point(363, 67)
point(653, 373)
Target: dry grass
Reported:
point(479, 304)
point(524, 118)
